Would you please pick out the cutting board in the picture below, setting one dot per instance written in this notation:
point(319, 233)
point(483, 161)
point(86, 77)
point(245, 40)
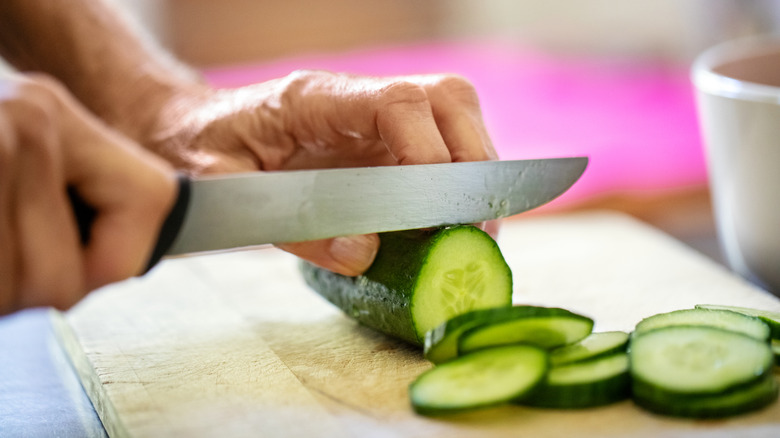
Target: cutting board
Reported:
point(235, 345)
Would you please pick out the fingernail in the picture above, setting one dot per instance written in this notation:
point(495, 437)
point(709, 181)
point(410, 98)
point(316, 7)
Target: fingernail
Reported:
point(354, 253)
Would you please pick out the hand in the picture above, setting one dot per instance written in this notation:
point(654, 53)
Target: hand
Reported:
point(49, 143)
point(318, 119)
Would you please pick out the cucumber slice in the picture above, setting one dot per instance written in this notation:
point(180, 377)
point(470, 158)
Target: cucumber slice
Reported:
point(772, 319)
point(775, 345)
point(586, 384)
point(555, 328)
point(441, 343)
point(484, 378)
point(594, 346)
point(737, 401)
point(697, 360)
point(725, 319)
point(420, 279)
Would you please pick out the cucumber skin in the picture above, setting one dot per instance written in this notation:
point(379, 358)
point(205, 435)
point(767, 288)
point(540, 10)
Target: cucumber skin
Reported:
point(755, 396)
point(580, 396)
point(381, 297)
point(395, 317)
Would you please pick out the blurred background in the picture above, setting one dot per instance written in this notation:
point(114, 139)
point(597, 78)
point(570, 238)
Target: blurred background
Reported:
point(208, 32)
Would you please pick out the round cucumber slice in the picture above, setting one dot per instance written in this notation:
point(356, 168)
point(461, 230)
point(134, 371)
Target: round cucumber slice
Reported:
point(586, 384)
point(725, 319)
point(594, 346)
point(697, 360)
point(557, 328)
point(745, 399)
point(484, 378)
point(441, 343)
point(772, 319)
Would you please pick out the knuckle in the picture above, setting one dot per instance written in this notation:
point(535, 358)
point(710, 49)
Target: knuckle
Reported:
point(457, 88)
point(299, 81)
point(32, 116)
point(403, 92)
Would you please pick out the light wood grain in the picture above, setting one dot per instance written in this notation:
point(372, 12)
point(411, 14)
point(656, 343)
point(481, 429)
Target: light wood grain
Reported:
point(235, 344)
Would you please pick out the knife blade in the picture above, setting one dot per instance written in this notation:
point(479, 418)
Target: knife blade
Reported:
point(248, 209)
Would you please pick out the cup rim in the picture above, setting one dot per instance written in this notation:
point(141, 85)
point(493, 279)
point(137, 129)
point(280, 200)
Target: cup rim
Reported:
point(707, 81)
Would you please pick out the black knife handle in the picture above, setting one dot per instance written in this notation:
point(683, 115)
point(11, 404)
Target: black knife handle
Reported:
point(85, 216)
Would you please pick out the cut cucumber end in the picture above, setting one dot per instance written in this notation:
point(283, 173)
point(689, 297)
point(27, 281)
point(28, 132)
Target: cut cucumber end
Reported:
point(464, 271)
point(481, 379)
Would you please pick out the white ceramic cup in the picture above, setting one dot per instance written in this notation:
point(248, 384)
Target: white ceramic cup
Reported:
point(738, 100)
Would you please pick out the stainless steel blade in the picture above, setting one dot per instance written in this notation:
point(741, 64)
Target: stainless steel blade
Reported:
point(290, 206)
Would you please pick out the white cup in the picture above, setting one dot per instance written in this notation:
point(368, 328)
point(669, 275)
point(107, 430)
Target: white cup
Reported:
point(738, 99)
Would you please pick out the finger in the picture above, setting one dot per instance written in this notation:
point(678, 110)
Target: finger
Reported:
point(350, 255)
point(405, 123)
point(7, 241)
point(130, 188)
point(456, 109)
point(132, 193)
point(50, 271)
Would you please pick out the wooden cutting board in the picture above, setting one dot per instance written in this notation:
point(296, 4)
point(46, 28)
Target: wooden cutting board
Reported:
point(235, 344)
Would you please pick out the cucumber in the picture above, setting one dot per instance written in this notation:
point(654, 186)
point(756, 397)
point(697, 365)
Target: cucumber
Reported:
point(441, 343)
point(775, 345)
point(553, 327)
point(481, 379)
point(684, 361)
point(419, 279)
point(772, 319)
point(753, 397)
point(594, 346)
point(724, 319)
point(597, 382)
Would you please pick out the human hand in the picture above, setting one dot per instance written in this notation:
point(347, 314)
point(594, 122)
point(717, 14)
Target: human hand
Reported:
point(48, 143)
point(313, 119)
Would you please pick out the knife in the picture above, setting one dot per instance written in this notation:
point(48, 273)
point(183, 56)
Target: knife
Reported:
point(247, 209)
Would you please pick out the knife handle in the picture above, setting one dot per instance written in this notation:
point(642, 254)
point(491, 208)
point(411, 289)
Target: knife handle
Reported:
point(85, 216)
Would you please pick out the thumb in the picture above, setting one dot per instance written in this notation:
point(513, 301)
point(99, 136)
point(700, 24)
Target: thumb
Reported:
point(349, 255)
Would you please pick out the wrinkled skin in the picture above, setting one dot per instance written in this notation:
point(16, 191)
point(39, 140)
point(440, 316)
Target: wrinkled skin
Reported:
point(313, 119)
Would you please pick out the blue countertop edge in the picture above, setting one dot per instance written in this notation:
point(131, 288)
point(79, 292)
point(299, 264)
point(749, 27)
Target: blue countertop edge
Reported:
point(40, 393)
